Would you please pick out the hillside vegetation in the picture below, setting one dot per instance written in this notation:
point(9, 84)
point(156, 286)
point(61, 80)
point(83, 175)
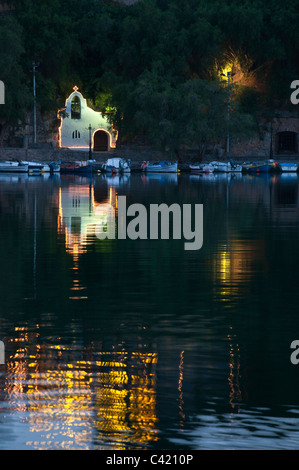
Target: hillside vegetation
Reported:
point(155, 66)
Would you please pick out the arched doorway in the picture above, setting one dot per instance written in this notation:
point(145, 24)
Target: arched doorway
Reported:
point(286, 142)
point(101, 141)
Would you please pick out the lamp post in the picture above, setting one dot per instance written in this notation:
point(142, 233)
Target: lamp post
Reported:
point(229, 76)
point(34, 66)
point(271, 141)
point(90, 129)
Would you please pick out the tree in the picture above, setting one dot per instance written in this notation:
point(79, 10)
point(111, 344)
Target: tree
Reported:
point(48, 40)
point(191, 114)
point(155, 64)
point(12, 74)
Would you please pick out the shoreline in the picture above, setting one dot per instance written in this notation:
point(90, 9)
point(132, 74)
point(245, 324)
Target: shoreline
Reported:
point(136, 155)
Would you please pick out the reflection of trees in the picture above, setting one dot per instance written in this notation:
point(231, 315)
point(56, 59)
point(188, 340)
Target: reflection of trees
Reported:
point(27, 212)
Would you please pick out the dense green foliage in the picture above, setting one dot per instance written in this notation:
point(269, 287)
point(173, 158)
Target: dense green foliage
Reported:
point(156, 64)
point(12, 73)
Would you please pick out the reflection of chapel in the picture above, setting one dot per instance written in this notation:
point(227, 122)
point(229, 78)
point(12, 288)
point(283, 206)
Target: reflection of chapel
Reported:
point(76, 118)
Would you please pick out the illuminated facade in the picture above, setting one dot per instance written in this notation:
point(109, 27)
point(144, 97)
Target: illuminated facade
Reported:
point(76, 119)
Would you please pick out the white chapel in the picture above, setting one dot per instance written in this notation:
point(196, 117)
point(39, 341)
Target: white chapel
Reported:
point(82, 126)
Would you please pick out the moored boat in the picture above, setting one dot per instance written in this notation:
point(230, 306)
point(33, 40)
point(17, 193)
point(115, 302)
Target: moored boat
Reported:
point(260, 167)
point(116, 165)
point(13, 167)
point(36, 167)
point(226, 167)
point(288, 167)
point(78, 167)
point(202, 168)
point(160, 167)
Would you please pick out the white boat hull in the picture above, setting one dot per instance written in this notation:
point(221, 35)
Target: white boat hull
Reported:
point(289, 167)
point(35, 165)
point(116, 165)
point(226, 167)
point(7, 167)
point(203, 168)
point(160, 167)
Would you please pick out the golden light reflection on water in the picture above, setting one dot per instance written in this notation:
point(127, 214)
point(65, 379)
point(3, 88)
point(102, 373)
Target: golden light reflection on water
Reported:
point(107, 402)
point(235, 264)
point(126, 402)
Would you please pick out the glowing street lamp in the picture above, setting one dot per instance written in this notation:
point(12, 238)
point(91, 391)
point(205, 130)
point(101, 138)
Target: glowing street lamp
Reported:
point(229, 75)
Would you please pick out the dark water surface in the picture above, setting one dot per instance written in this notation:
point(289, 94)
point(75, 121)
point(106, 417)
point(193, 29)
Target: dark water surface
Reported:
point(140, 344)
